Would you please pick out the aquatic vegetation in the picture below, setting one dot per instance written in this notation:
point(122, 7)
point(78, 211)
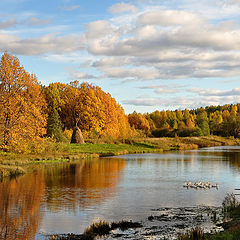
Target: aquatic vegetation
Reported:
point(230, 203)
point(124, 225)
point(194, 234)
point(99, 228)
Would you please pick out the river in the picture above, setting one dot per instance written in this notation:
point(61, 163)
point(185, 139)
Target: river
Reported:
point(68, 197)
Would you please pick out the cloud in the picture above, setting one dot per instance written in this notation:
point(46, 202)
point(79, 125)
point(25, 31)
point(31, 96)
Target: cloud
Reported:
point(99, 29)
point(7, 24)
point(214, 92)
point(166, 91)
point(182, 102)
point(81, 75)
point(122, 7)
point(142, 73)
point(169, 17)
point(163, 89)
point(70, 8)
point(171, 47)
point(33, 21)
point(233, 2)
point(49, 43)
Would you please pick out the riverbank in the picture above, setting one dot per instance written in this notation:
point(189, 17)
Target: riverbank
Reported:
point(13, 164)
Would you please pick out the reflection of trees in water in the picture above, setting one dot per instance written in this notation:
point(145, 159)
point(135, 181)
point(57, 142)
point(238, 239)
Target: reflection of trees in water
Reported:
point(83, 184)
point(20, 206)
point(231, 157)
point(234, 158)
point(63, 186)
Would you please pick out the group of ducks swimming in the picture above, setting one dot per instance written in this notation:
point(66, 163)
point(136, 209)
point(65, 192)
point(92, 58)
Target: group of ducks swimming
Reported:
point(204, 185)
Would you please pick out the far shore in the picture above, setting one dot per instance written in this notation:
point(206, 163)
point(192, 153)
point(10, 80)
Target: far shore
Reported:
point(13, 164)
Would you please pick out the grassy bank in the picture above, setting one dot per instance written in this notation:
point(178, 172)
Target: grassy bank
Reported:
point(12, 164)
point(187, 143)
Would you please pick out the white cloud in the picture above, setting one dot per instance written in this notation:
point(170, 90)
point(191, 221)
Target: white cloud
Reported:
point(183, 46)
point(99, 29)
point(45, 44)
point(166, 91)
point(122, 7)
point(169, 17)
point(215, 92)
point(134, 73)
point(182, 102)
point(81, 75)
point(233, 2)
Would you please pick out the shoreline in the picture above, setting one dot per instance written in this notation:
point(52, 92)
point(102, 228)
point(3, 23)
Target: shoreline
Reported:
point(14, 164)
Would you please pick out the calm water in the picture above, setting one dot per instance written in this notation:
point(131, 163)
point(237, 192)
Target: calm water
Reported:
point(66, 198)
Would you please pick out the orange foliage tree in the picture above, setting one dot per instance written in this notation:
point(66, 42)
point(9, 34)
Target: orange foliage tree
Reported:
point(22, 104)
point(93, 111)
point(138, 121)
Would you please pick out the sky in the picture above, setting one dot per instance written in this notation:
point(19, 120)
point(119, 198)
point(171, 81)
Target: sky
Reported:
point(148, 54)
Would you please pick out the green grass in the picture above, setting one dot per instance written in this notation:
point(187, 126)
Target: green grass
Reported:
point(112, 149)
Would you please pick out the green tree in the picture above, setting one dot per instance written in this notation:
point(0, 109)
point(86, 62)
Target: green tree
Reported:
point(54, 124)
point(202, 121)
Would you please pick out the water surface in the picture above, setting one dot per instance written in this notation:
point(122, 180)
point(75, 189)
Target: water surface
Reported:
point(64, 198)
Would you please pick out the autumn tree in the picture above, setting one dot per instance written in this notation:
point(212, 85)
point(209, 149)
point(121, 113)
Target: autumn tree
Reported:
point(138, 121)
point(93, 111)
point(22, 104)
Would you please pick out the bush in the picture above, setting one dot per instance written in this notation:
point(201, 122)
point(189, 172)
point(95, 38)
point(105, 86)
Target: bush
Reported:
point(230, 203)
point(163, 132)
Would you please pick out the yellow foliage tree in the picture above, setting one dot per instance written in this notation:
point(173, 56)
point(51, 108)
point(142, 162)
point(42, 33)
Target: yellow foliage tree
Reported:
point(93, 111)
point(22, 105)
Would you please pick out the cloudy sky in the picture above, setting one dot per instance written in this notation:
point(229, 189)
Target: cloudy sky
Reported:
point(149, 54)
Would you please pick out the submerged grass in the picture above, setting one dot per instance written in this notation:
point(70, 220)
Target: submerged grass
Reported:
point(194, 234)
point(98, 229)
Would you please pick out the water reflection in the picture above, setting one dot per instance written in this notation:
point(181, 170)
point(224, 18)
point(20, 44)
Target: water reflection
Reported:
point(83, 184)
point(24, 200)
point(20, 201)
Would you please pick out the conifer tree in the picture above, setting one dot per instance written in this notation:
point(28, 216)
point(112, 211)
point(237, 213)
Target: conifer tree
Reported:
point(54, 124)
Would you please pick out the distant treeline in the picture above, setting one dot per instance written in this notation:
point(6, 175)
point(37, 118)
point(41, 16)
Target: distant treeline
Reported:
point(216, 120)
